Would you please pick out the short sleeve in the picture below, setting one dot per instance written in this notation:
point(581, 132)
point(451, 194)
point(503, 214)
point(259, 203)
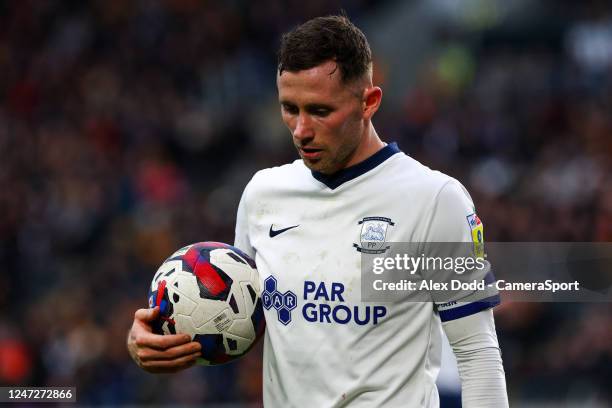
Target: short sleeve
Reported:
point(241, 238)
point(456, 232)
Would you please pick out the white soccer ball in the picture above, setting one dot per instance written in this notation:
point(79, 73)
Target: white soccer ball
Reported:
point(210, 291)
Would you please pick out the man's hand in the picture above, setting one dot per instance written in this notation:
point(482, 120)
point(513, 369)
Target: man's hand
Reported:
point(156, 353)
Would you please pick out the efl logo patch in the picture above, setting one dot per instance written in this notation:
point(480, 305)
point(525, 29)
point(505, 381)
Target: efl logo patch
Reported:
point(373, 235)
point(477, 230)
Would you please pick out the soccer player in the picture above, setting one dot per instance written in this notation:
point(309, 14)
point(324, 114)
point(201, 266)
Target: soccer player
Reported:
point(307, 225)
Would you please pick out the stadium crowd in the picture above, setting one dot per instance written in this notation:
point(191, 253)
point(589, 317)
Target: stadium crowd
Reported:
point(128, 129)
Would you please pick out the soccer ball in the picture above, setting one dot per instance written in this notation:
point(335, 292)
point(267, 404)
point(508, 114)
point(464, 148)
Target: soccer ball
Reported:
point(210, 291)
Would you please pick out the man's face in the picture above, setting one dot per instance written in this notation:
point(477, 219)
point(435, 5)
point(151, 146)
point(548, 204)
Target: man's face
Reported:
point(324, 115)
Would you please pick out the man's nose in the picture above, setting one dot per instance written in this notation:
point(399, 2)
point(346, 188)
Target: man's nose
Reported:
point(303, 129)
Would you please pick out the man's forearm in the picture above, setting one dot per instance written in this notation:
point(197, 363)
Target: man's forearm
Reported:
point(475, 345)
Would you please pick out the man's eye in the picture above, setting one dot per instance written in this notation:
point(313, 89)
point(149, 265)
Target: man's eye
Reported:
point(321, 112)
point(290, 109)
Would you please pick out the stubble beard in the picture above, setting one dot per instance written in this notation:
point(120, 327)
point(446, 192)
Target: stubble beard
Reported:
point(330, 165)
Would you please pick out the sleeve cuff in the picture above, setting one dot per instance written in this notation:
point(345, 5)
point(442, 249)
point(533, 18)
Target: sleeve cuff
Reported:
point(469, 309)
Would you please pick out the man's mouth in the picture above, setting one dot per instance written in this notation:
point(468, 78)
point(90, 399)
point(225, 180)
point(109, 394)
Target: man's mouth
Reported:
point(310, 153)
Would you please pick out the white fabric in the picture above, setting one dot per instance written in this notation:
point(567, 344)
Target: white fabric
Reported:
point(475, 345)
point(321, 358)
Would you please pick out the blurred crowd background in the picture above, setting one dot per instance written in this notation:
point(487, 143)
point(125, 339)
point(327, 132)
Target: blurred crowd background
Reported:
point(129, 129)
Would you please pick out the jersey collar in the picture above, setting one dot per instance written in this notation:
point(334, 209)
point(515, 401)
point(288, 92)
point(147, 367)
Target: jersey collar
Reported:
point(340, 177)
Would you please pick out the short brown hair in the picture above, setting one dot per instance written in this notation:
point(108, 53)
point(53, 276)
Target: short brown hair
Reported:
point(322, 39)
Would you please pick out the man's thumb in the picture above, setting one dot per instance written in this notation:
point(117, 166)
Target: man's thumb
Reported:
point(147, 315)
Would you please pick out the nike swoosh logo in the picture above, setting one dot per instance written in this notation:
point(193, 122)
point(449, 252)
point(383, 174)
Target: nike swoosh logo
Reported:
point(274, 233)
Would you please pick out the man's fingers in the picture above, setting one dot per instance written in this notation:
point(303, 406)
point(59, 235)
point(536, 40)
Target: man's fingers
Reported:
point(161, 342)
point(171, 353)
point(171, 365)
point(158, 353)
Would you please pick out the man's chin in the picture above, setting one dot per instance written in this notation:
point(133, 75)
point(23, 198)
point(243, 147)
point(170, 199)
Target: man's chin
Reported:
point(313, 164)
point(319, 166)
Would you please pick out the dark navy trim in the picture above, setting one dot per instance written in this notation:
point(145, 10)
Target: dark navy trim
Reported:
point(469, 309)
point(342, 176)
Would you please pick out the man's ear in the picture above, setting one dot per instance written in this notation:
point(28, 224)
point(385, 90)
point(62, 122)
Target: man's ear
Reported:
point(372, 97)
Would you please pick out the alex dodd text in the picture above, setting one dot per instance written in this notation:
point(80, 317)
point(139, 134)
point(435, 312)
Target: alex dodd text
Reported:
point(455, 284)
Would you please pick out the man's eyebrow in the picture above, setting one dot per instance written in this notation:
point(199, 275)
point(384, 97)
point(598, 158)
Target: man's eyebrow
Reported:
point(314, 106)
point(308, 106)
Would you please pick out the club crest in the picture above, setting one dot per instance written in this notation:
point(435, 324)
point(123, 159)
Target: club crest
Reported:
point(373, 235)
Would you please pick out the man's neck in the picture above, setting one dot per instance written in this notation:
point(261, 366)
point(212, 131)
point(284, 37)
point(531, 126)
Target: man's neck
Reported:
point(370, 144)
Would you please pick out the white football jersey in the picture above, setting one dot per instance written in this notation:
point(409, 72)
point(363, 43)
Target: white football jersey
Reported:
point(324, 347)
